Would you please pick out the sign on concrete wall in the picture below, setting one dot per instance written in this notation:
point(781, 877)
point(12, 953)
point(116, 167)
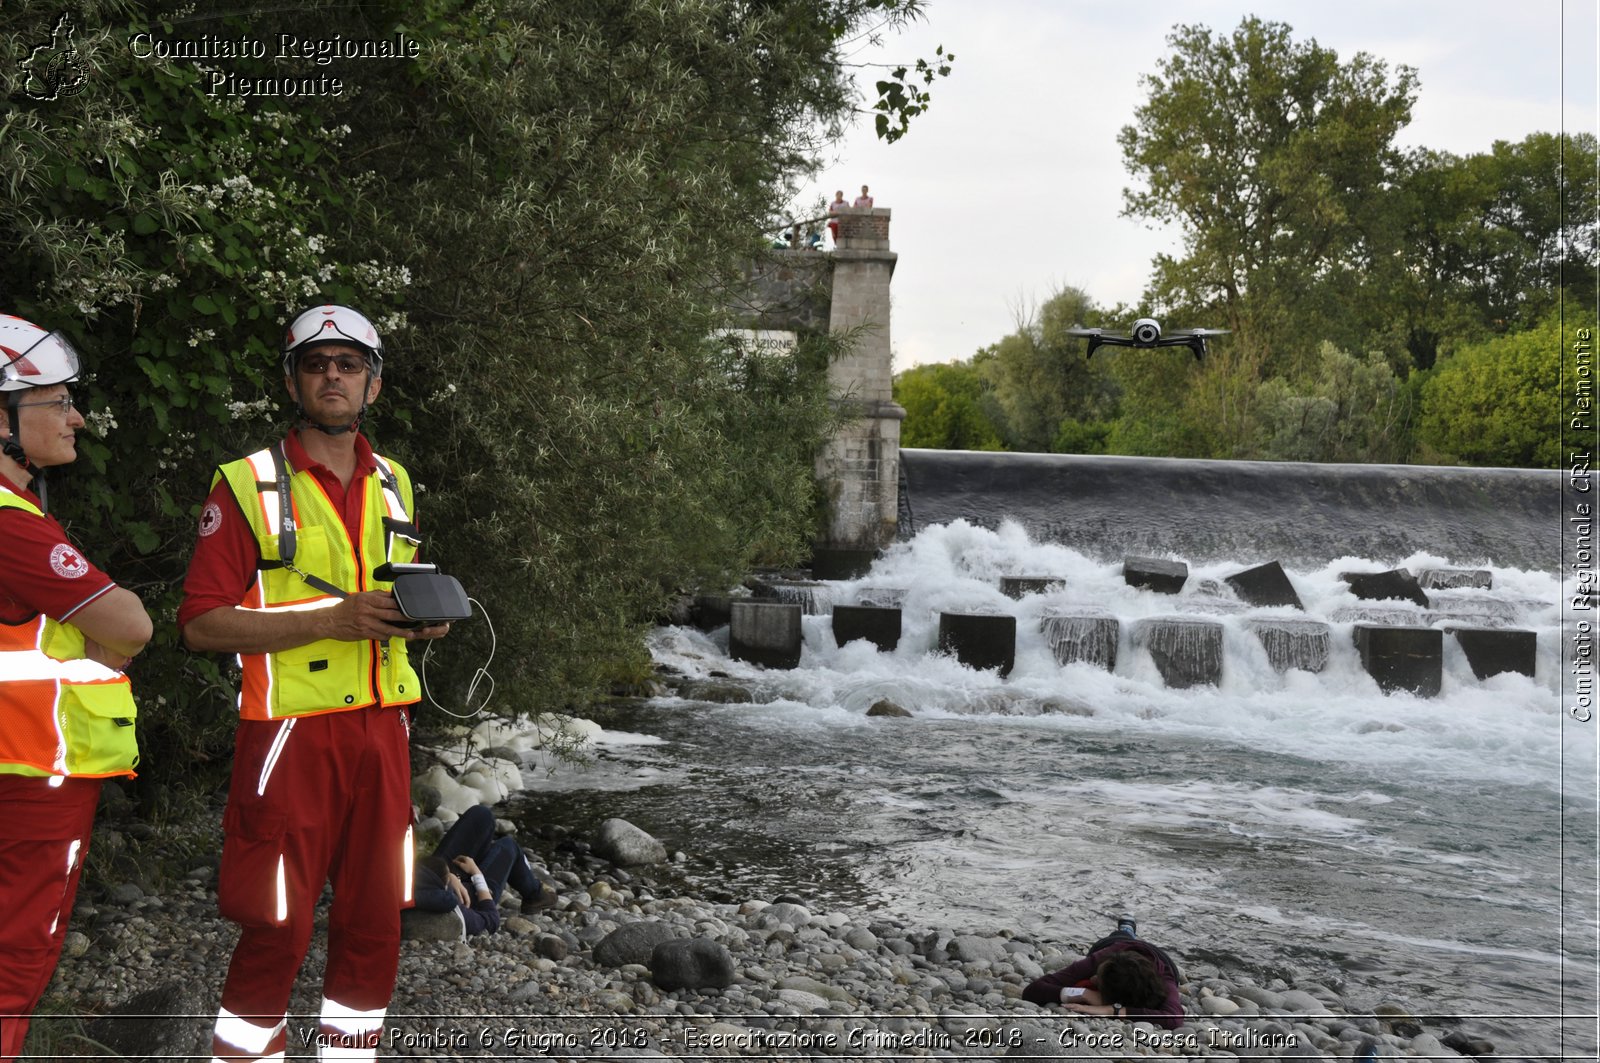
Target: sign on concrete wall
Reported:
point(762, 341)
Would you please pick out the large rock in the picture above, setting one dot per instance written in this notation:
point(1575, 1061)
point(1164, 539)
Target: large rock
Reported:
point(1491, 651)
point(885, 707)
point(418, 925)
point(1397, 584)
point(1187, 652)
point(1265, 584)
point(691, 963)
point(625, 845)
point(1155, 573)
point(1089, 638)
point(879, 626)
point(765, 633)
point(632, 943)
point(980, 640)
point(1402, 658)
point(164, 1022)
point(1294, 643)
point(1021, 586)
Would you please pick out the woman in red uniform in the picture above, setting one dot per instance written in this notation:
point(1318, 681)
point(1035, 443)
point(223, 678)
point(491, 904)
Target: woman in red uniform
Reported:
point(66, 711)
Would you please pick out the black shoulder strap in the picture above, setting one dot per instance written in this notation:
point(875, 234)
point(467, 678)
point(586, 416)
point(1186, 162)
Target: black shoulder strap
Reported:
point(286, 527)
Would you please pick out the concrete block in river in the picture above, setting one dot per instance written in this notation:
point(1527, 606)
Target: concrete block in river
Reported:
point(1021, 586)
point(710, 611)
point(980, 640)
point(1491, 651)
point(814, 599)
point(1265, 584)
point(1155, 573)
point(828, 562)
point(1402, 658)
point(1449, 579)
point(765, 633)
point(1289, 643)
point(1089, 638)
point(1396, 583)
point(877, 625)
point(1473, 610)
point(1186, 651)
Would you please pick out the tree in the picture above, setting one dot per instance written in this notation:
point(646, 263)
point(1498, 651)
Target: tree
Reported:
point(543, 212)
point(1042, 377)
point(944, 408)
point(1271, 155)
point(1354, 410)
point(1496, 402)
point(1491, 240)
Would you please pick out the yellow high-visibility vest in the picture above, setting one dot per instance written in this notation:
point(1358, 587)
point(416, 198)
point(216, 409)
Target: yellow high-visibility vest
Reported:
point(328, 675)
point(60, 713)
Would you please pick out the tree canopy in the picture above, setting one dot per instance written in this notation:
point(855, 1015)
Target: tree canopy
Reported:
point(1381, 301)
point(542, 211)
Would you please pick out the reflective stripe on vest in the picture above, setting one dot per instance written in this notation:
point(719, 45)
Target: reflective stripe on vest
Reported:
point(327, 675)
point(64, 714)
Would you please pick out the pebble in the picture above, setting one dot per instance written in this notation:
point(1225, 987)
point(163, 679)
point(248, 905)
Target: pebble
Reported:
point(807, 979)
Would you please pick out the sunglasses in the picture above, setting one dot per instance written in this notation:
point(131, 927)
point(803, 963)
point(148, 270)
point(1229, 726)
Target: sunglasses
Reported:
point(64, 404)
point(317, 364)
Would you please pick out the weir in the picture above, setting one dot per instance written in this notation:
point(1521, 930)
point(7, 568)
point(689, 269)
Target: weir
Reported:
point(1250, 512)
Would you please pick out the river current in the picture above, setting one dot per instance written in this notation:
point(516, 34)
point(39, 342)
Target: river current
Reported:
point(1439, 851)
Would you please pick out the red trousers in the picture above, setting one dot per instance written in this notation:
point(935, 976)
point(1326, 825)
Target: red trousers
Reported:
point(38, 881)
point(315, 798)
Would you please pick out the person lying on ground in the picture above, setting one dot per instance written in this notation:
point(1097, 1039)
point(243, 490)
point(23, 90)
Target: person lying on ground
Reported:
point(483, 866)
point(1122, 977)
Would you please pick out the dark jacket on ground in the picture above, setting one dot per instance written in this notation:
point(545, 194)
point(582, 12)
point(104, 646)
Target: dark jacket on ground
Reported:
point(482, 918)
point(1047, 990)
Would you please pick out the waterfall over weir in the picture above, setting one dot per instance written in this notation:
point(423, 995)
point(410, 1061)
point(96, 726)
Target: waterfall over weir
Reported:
point(1244, 511)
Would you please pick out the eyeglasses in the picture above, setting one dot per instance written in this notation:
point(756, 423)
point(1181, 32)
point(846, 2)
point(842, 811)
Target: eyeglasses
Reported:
point(64, 404)
point(317, 364)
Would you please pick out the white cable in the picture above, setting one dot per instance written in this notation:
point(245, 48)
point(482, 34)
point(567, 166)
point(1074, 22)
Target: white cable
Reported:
point(477, 677)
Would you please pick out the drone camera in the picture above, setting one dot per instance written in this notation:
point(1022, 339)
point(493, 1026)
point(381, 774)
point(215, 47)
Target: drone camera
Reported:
point(1146, 330)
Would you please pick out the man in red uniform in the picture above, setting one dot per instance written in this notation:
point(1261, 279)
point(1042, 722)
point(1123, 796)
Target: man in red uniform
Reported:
point(288, 573)
point(66, 712)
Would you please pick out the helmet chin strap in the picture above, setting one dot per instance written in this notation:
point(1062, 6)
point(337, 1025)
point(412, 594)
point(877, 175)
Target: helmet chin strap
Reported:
point(13, 450)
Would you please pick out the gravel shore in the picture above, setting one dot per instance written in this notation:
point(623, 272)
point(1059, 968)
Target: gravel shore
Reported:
point(801, 982)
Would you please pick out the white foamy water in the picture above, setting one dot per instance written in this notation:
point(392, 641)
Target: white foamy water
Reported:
point(1506, 728)
point(1299, 824)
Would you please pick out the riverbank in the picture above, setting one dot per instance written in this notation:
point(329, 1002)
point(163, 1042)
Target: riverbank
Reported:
point(805, 982)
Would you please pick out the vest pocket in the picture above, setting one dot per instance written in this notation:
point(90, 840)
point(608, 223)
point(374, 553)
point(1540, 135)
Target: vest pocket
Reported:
point(98, 723)
point(252, 884)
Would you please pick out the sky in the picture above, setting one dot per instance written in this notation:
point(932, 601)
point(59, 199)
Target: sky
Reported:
point(1010, 186)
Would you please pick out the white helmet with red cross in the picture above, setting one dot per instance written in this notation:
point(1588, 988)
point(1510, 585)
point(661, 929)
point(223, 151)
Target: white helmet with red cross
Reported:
point(331, 324)
point(30, 357)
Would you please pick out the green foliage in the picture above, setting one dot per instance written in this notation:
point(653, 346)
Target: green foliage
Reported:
point(1350, 410)
point(542, 212)
point(1267, 152)
point(1042, 376)
point(944, 408)
point(1498, 402)
point(169, 229)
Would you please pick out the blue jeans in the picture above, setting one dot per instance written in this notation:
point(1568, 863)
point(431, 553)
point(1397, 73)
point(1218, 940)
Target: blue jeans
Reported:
point(500, 859)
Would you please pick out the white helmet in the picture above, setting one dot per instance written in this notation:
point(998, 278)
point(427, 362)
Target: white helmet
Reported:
point(331, 324)
point(30, 357)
